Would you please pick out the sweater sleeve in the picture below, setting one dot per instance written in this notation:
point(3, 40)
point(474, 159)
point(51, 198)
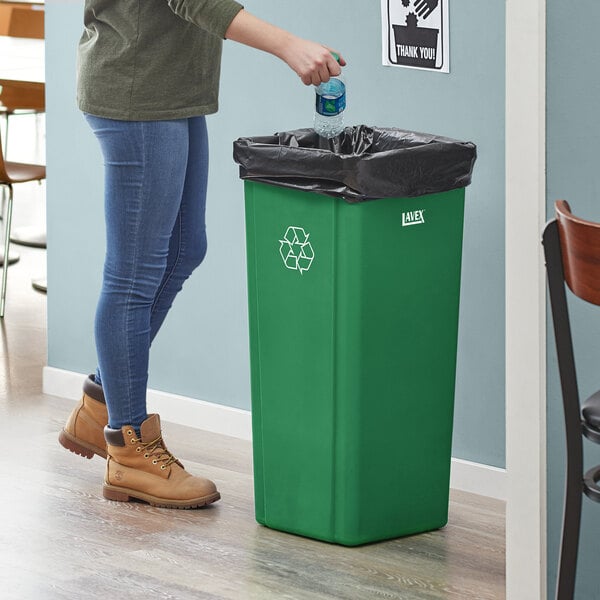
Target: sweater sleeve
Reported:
point(214, 16)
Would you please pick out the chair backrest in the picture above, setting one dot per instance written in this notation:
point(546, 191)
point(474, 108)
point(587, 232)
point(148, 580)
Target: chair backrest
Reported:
point(580, 249)
point(22, 95)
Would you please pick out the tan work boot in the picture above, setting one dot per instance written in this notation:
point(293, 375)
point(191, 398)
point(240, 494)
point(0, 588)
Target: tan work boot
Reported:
point(84, 432)
point(144, 469)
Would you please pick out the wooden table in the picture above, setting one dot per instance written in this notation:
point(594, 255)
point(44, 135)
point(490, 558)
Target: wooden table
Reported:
point(22, 62)
point(22, 85)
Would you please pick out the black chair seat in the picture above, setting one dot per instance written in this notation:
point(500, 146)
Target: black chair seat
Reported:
point(590, 410)
point(590, 484)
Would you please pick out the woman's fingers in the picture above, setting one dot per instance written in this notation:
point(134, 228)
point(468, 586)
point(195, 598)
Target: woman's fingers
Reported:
point(314, 63)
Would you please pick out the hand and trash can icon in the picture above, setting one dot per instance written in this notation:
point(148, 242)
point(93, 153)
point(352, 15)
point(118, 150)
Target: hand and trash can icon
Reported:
point(354, 259)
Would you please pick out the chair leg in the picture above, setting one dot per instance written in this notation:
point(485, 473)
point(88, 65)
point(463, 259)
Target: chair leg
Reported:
point(5, 136)
point(567, 569)
point(7, 225)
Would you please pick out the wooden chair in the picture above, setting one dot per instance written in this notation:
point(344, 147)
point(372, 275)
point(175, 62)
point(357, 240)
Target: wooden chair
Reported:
point(12, 173)
point(18, 97)
point(28, 22)
point(572, 250)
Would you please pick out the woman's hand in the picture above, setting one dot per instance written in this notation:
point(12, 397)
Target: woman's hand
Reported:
point(312, 62)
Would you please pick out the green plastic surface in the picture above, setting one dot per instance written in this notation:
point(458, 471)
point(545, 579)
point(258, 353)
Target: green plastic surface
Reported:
point(353, 360)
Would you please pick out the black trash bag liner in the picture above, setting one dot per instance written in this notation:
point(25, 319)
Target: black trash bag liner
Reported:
point(363, 163)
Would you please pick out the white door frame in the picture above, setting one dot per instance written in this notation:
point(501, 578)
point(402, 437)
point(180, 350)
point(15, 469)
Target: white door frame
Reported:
point(525, 300)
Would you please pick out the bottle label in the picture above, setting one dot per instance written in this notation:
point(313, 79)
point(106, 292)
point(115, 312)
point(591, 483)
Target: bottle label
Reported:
point(329, 107)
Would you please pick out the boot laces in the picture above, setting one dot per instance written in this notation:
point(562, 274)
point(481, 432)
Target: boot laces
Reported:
point(157, 450)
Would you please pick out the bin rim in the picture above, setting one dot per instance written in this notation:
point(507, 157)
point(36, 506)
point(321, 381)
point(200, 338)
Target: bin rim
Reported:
point(364, 163)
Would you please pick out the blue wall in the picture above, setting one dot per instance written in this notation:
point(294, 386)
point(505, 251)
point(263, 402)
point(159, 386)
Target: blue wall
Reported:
point(573, 134)
point(202, 351)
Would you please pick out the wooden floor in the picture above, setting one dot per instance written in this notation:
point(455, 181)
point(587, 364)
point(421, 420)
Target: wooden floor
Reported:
point(59, 539)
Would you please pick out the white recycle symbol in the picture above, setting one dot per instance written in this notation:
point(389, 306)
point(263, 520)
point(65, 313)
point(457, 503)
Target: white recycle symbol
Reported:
point(295, 249)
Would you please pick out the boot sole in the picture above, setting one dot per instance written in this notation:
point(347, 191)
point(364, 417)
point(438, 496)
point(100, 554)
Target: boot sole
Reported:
point(118, 494)
point(79, 447)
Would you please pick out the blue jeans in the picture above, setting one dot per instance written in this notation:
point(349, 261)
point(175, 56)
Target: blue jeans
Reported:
point(155, 198)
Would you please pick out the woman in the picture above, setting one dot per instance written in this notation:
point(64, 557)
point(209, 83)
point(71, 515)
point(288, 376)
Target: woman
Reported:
point(148, 73)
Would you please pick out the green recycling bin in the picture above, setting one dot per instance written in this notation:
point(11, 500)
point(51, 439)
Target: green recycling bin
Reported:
point(353, 308)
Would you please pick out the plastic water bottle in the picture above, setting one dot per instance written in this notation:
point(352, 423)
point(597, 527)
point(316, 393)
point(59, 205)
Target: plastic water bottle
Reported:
point(329, 107)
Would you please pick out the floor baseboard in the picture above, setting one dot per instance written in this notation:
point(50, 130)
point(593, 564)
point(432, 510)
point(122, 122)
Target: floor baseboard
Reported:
point(467, 476)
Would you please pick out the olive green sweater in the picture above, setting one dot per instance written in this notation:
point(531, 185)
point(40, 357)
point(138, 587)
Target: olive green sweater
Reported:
point(143, 60)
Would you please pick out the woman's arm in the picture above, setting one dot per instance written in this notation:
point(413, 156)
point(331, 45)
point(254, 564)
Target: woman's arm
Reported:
point(311, 61)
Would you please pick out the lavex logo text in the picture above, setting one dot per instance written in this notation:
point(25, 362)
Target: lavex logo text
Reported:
point(414, 217)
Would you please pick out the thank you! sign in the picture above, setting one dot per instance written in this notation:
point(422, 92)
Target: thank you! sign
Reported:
point(415, 34)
